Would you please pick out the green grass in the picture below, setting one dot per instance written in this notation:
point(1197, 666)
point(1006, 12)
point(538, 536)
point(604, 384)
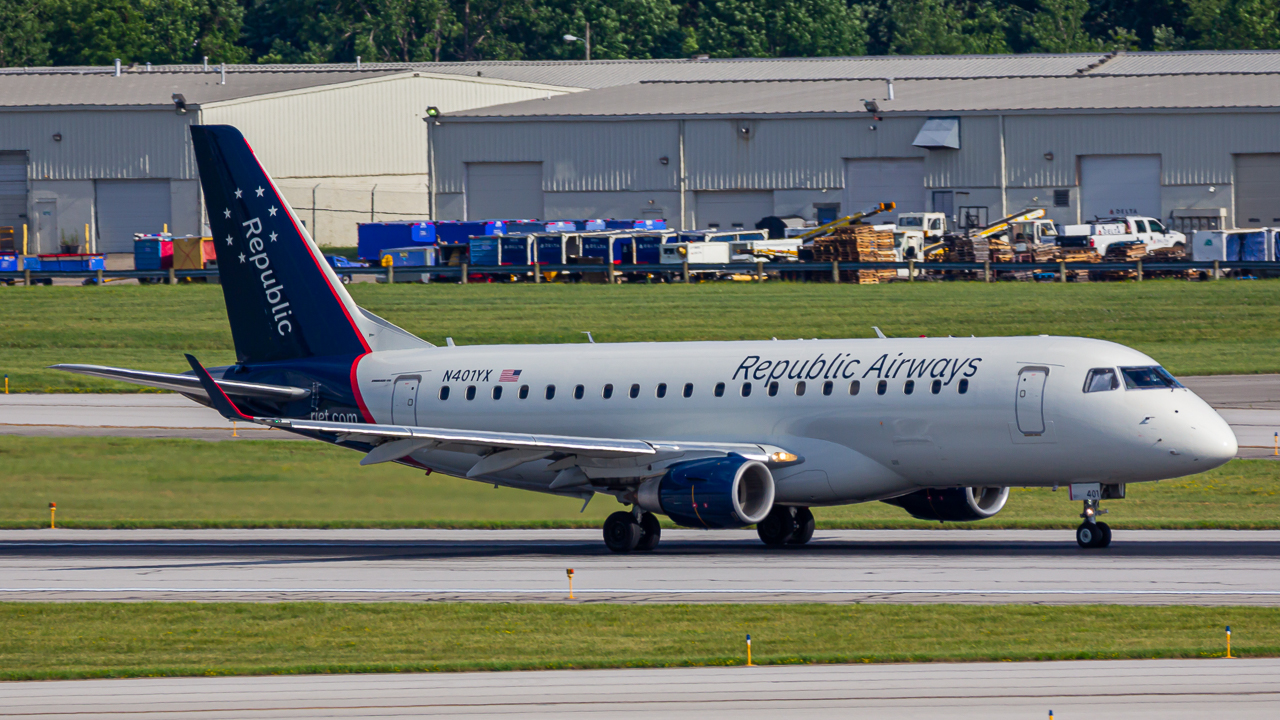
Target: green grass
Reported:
point(123, 482)
point(81, 640)
point(1192, 328)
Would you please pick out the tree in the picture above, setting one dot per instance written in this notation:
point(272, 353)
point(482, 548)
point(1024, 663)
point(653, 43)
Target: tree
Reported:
point(1234, 24)
point(96, 32)
point(24, 27)
point(774, 28)
point(639, 29)
point(1057, 27)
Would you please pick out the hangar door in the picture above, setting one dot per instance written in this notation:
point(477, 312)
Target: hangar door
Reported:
point(504, 191)
point(732, 209)
point(13, 196)
point(1113, 185)
point(1257, 190)
point(126, 207)
point(871, 181)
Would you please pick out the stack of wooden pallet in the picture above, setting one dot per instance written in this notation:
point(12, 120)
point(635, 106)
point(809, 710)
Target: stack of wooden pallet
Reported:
point(971, 250)
point(1126, 252)
point(1001, 251)
point(1081, 255)
point(1176, 253)
point(858, 243)
point(1038, 253)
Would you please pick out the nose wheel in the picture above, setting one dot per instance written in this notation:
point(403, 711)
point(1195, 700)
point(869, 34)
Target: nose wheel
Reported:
point(1093, 533)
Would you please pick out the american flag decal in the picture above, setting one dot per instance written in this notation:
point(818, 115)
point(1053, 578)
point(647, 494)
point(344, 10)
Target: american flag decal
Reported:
point(509, 376)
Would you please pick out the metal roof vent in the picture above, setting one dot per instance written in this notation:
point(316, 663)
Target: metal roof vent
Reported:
point(939, 134)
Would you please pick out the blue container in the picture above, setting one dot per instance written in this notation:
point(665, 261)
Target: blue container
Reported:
point(460, 232)
point(484, 251)
point(32, 263)
point(376, 237)
point(153, 254)
point(8, 263)
point(649, 249)
point(622, 248)
point(414, 256)
point(1253, 247)
point(635, 224)
point(556, 226)
point(549, 249)
point(515, 249)
point(73, 263)
point(598, 246)
point(523, 227)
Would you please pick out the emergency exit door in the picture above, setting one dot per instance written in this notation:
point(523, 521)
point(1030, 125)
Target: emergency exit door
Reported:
point(1030, 400)
point(404, 400)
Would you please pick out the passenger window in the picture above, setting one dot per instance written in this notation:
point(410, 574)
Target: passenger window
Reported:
point(551, 391)
point(719, 389)
point(1100, 380)
point(607, 392)
point(746, 389)
point(936, 387)
point(635, 391)
point(909, 387)
point(773, 388)
point(854, 387)
point(688, 389)
point(471, 392)
point(882, 387)
point(524, 392)
point(828, 387)
point(497, 392)
point(444, 392)
point(800, 388)
point(964, 386)
point(662, 390)
point(579, 391)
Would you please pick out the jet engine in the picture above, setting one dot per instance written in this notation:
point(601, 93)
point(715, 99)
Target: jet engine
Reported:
point(726, 492)
point(962, 504)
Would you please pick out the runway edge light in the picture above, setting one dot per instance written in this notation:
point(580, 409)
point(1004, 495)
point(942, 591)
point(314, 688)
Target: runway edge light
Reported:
point(1229, 656)
point(749, 663)
point(52, 508)
point(569, 572)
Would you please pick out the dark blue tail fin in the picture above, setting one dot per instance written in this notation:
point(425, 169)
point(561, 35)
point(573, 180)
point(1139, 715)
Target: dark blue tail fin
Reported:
point(283, 300)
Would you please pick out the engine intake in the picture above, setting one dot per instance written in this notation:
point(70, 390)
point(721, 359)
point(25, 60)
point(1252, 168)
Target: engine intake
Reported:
point(953, 504)
point(727, 492)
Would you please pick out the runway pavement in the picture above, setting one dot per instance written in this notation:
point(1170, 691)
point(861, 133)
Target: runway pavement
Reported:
point(1207, 567)
point(1250, 403)
point(1132, 689)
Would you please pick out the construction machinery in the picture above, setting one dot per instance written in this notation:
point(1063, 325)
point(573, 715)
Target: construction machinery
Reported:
point(853, 219)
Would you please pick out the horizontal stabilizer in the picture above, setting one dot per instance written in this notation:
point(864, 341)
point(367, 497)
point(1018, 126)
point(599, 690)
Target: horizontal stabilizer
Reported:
point(187, 384)
point(220, 401)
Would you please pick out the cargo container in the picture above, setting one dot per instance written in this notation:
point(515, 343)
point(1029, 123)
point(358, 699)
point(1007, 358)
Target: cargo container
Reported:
point(648, 247)
point(695, 252)
point(376, 237)
point(8, 262)
point(152, 252)
point(189, 253)
point(415, 256)
point(73, 262)
point(522, 227)
point(635, 224)
point(484, 250)
point(515, 249)
point(598, 246)
point(460, 232)
point(554, 248)
point(1251, 245)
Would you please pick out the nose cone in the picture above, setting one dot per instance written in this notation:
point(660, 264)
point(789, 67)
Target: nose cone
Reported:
point(1212, 442)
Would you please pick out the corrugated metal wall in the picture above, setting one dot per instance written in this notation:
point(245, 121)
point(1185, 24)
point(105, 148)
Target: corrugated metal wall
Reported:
point(792, 153)
point(371, 128)
point(102, 144)
point(1195, 148)
point(577, 156)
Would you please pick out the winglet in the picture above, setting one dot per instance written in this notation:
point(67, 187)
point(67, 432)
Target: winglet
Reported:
point(220, 401)
point(878, 333)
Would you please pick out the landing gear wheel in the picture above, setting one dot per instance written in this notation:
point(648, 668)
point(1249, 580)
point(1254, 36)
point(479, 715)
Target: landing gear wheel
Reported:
point(622, 532)
point(778, 527)
point(1090, 535)
point(804, 527)
point(1105, 531)
point(650, 533)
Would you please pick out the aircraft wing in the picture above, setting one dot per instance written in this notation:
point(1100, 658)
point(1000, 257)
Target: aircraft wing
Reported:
point(187, 384)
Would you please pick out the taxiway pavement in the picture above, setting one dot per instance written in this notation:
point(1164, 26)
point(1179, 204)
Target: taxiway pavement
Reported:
point(1135, 689)
point(1205, 567)
point(1250, 403)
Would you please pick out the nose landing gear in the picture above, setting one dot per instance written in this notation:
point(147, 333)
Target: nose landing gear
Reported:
point(1093, 533)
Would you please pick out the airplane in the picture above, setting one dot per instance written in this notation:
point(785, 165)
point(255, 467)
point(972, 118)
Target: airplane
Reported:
point(710, 434)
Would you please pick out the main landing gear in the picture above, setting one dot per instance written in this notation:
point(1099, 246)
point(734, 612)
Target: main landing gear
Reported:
point(634, 530)
point(786, 525)
point(1093, 533)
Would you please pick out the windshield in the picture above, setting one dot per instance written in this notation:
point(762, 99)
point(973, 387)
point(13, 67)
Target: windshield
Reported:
point(1147, 378)
point(1156, 226)
point(910, 222)
point(1101, 380)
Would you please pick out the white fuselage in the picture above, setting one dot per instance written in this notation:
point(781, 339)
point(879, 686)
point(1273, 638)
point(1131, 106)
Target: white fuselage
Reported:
point(1023, 418)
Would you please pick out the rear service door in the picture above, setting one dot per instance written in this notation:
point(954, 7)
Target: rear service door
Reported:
point(1030, 400)
point(404, 400)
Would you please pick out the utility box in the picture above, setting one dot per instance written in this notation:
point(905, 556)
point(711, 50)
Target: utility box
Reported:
point(696, 253)
point(376, 237)
point(416, 256)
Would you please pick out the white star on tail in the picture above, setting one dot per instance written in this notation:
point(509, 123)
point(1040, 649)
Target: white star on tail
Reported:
point(239, 192)
point(272, 210)
point(273, 237)
point(226, 213)
point(259, 191)
point(241, 257)
point(229, 241)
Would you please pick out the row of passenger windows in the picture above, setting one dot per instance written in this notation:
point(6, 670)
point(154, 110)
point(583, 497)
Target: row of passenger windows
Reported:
point(771, 388)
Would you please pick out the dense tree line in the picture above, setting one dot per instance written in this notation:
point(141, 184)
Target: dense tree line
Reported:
point(95, 32)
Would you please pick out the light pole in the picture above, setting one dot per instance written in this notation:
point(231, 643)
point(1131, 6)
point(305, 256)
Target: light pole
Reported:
point(585, 41)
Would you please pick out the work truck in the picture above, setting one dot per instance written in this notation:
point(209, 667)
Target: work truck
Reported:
point(1102, 233)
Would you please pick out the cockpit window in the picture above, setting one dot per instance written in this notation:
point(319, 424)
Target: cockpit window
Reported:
point(1147, 378)
point(1101, 379)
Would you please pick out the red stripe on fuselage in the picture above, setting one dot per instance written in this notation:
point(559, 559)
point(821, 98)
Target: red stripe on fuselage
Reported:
point(355, 388)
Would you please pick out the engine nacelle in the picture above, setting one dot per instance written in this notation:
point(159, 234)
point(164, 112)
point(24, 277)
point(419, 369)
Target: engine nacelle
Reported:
point(727, 492)
point(953, 504)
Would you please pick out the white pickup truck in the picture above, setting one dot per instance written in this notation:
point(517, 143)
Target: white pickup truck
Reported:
point(1104, 232)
